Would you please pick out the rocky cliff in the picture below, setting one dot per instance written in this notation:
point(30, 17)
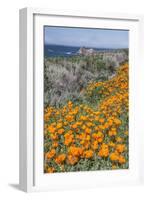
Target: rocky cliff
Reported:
point(86, 51)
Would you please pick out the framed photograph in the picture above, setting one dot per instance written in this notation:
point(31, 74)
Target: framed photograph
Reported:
point(80, 124)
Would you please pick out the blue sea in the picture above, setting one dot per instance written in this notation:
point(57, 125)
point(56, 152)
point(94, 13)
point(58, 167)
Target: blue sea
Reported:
point(58, 50)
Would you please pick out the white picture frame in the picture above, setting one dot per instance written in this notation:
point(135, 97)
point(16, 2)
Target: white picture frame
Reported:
point(31, 100)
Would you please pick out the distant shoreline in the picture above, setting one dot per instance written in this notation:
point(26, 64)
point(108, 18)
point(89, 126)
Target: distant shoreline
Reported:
point(64, 50)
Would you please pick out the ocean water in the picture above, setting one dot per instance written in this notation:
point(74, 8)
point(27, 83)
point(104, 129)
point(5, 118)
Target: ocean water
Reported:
point(58, 50)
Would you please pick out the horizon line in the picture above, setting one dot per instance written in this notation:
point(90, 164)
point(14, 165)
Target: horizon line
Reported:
point(86, 46)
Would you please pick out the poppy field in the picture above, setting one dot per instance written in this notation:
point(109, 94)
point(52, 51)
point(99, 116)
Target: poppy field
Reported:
point(91, 132)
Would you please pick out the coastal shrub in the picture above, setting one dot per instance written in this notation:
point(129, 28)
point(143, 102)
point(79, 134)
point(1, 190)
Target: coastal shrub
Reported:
point(65, 77)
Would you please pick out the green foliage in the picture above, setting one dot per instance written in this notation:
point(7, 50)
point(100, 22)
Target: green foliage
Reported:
point(66, 77)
